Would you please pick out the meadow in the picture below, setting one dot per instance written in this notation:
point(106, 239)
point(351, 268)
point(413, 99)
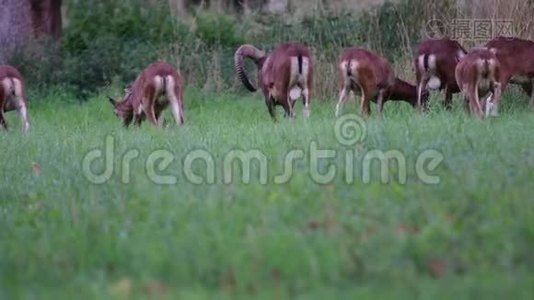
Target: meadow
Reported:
point(470, 235)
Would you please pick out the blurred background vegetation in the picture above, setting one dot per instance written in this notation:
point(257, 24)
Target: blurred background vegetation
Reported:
point(105, 42)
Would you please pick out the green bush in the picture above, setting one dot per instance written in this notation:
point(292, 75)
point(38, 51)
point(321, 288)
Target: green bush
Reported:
point(126, 20)
point(107, 39)
point(217, 30)
point(39, 62)
point(103, 39)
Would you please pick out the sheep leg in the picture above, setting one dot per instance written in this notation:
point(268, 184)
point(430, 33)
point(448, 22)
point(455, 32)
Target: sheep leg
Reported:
point(420, 88)
point(306, 102)
point(269, 101)
point(286, 104)
point(343, 96)
point(380, 103)
point(530, 91)
point(474, 101)
point(3, 122)
point(364, 104)
point(495, 100)
point(448, 98)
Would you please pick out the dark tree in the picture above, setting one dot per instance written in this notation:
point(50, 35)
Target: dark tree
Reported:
point(24, 20)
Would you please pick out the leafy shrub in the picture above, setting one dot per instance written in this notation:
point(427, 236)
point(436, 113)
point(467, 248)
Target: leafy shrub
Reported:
point(217, 30)
point(103, 39)
point(107, 39)
point(126, 20)
point(39, 62)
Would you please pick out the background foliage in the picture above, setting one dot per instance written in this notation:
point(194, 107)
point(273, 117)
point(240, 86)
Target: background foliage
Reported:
point(470, 236)
point(106, 41)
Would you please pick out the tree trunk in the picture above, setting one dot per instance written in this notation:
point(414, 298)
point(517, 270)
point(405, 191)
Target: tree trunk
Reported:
point(15, 26)
point(23, 20)
point(46, 17)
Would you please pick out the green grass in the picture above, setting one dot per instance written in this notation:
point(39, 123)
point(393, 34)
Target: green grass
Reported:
point(470, 236)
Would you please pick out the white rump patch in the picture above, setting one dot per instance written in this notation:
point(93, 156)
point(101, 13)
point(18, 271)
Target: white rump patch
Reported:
point(296, 79)
point(459, 55)
point(421, 63)
point(17, 86)
point(158, 85)
point(480, 65)
point(343, 66)
point(353, 66)
point(492, 63)
point(295, 76)
point(6, 83)
point(432, 62)
point(140, 109)
point(13, 91)
point(434, 83)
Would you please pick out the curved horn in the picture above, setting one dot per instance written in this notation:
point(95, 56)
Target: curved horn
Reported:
point(250, 52)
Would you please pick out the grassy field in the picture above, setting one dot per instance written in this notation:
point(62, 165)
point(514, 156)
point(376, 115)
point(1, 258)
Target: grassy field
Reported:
point(470, 235)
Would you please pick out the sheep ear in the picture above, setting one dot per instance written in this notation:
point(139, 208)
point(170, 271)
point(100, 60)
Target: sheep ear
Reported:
point(112, 101)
